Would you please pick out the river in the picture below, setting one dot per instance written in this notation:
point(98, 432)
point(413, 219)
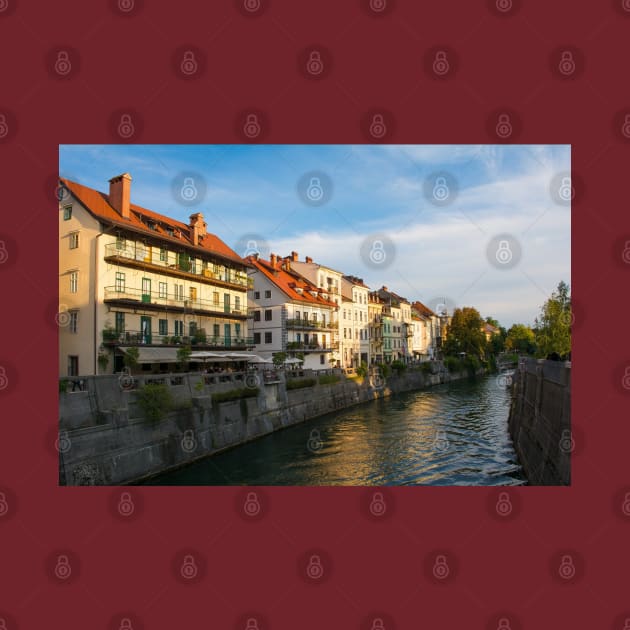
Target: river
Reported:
point(451, 434)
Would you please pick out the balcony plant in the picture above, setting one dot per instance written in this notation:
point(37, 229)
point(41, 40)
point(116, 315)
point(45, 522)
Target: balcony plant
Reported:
point(131, 357)
point(183, 261)
point(109, 333)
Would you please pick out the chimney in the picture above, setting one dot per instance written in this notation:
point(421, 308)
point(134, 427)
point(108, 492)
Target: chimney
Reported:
point(272, 260)
point(308, 259)
point(384, 288)
point(120, 194)
point(197, 227)
point(294, 256)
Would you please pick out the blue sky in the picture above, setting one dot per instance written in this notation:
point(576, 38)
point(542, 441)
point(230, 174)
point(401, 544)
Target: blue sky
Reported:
point(375, 193)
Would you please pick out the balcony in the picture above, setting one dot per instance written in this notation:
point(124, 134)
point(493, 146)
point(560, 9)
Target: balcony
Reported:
point(198, 342)
point(310, 347)
point(136, 297)
point(309, 324)
point(139, 256)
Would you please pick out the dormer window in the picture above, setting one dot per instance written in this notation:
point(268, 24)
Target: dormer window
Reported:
point(169, 231)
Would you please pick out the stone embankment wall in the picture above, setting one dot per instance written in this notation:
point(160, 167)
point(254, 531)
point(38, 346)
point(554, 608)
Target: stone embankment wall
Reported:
point(105, 438)
point(540, 420)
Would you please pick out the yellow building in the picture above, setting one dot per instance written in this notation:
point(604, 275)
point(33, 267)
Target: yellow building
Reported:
point(131, 277)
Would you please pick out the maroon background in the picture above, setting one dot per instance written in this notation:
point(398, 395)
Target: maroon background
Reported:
point(125, 567)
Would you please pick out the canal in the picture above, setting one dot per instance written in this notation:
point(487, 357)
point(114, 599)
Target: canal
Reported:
point(451, 434)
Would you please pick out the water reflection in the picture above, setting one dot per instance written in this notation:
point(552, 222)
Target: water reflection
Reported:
point(453, 434)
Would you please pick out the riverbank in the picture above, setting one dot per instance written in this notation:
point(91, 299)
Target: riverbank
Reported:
point(108, 437)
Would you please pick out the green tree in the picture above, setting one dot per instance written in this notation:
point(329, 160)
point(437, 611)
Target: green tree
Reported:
point(183, 355)
point(131, 357)
point(465, 333)
point(279, 358)
point(521, 338)
point(553, 326)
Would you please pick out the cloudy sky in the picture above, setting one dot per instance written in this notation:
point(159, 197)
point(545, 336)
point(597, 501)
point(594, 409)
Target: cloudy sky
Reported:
point(426, 221)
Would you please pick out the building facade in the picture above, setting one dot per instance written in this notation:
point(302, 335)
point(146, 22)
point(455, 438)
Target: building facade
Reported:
point(354, 323)
point(291, 314)
point(130, 277)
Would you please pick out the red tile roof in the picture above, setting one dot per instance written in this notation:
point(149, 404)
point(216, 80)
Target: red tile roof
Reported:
point(97, 203)
point(288, 281)
point(422, 309)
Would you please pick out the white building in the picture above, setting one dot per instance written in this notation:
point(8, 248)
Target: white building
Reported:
point(354, 324)
point(291, 314)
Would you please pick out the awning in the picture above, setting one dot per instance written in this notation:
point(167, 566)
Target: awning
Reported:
point(155, 355)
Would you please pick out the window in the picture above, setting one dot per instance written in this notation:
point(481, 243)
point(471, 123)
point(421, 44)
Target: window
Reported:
point(315, 339)
point(314, 317)
point(297, 314)
point(162, 254)
point(120, 242)
point(73, 365)
point(237, 302)
point(256, 316)
point(323, 319)
point(216, 330)
point(268, 314)
point(237, 331)
point(163, 327)
point(74, 320)
point(74, 281)
point(120, 281)
point(169, 231)
point(67, 213)
point(321, 359)
point(179, 328)
point(305, 338)
point(193, 265)
point(267, 337)
point(119, 322)
point(257, 295)
point(344, 333)
point(268, 294)
point(215, 298)
point(74, 240)
point(192, 293)
point(179, 292)
point(298, 337)
point(162, 289)
point(146, 288)
point(257, 339)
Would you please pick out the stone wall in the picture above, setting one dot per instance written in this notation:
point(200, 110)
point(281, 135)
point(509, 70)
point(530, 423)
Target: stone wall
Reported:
point(105, 438)
point(540, 420)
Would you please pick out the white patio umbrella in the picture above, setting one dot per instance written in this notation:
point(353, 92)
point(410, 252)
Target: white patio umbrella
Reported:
point(294, 360)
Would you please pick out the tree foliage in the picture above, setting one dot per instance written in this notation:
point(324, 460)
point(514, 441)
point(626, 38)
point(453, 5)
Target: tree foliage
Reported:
point(553, 326)
point(465, 333)
point(520, 338)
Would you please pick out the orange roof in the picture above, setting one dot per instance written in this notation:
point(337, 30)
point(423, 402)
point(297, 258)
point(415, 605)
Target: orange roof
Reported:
point(422, 309)
point(97, 204)
point(288, 281)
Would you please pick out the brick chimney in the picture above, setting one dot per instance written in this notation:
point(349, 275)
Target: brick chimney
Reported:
point(308, 259)
point(197, 227)
point(272, 260)
point(120, 194)
point(294, 256)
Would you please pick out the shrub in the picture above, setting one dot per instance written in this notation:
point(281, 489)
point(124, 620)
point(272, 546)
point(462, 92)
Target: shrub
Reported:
point(131, 357)
point(398, 366)
point(453, 364)
point(63, 385)
point(384, 369)
point(328, 379)
point(235, 394)
point(155, 400)
point(296, 383)
point(425, 367)
point(362, 370)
